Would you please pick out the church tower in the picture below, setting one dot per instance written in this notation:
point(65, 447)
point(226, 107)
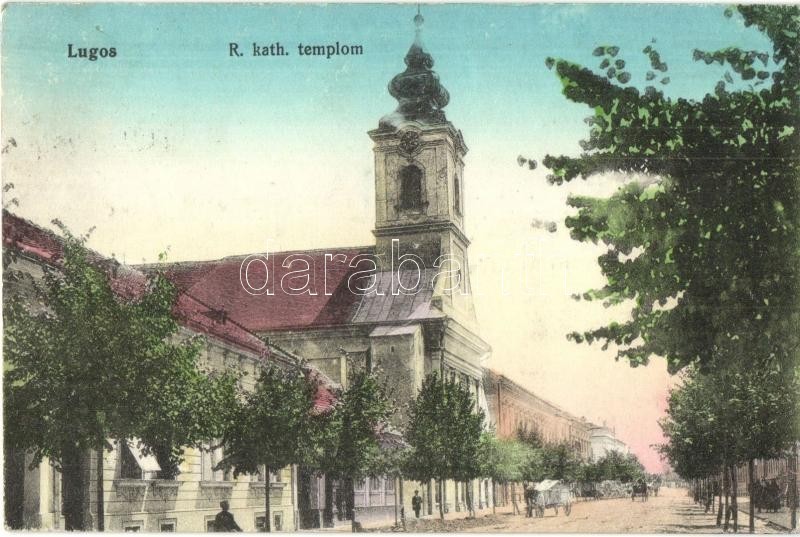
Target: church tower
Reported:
point(419, 170)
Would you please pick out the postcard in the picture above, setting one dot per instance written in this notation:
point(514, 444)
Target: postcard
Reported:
point(401, 267)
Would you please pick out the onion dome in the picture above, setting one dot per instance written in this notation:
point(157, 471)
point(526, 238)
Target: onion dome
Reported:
point(420, 95)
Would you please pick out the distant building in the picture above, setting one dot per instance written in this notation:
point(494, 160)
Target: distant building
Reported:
point(603, 440)
point(512, 408)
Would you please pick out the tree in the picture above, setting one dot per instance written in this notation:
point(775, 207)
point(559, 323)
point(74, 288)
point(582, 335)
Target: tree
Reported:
point(704, 239)
point(707, 246)
point(716, 421)
point(85, 363)
point(503, 460)
point(352, 450)
point(559, 461)
point(273, 427)
point(444, 431)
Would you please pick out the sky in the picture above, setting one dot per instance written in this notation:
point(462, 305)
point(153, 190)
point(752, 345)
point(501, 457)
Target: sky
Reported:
point(173, 145)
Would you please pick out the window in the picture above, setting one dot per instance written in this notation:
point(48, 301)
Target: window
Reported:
point(411, 188)
point(135, 464)
point(277, 521)
point(274, 477)
point(167, 525)
point(210, 523)
point(375, 483)
point(209, 459)
point(132, 526)
point(457, 195)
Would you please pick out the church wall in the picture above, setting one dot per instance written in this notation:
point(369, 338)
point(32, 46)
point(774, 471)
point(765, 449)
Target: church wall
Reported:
point(399, 360)
point(324, 348)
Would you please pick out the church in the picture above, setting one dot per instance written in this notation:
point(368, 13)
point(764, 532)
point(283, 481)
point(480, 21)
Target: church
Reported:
point(401, 306)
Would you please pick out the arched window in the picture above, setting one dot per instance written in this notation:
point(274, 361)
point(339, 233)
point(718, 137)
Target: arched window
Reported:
point(410, 188)
point(457, 195)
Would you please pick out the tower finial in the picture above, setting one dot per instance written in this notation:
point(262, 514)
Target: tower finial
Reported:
point(420, 95)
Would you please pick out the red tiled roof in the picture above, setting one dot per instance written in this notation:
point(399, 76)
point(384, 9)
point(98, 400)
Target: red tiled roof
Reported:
point(44, 245)
point(324, 398)
point(220, 283)
point(28, 238)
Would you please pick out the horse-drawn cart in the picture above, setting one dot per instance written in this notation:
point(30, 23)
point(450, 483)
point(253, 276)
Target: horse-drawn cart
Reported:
point(552, 494)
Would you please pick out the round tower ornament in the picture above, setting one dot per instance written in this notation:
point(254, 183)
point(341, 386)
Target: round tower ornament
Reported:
point(410, 143)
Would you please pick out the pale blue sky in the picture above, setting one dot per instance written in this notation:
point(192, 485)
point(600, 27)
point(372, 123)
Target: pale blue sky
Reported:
point(175, 144)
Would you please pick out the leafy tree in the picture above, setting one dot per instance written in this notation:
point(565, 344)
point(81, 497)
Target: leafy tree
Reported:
point(717, 421)
point(352, 450)
point(618, 466)
point(84, 364)
point(531, 437)
point(503, 460)
point(708, 245)
point(444, 430)
point(704, 240)
point(559, 461)
point(273, 427)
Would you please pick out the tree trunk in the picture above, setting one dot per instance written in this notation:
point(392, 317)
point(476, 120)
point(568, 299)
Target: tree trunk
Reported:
point(350, 502)
point(734, 497)
point(470, 509)
point(719, 493)
point(101, 518)
point(726, 487)
point(402, 503)
point(327, 515)
point(515, 509)
point(793, 486)
point(73, 489)
point(430, 497)
point(441, 498)
point(751, 479)
point(267, 514)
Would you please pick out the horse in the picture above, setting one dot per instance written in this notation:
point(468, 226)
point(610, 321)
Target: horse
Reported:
point(639, 489)
point(655, 486)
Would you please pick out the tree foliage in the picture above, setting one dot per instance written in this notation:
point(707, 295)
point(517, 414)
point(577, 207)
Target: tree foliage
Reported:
point(354, 451)
point(726, 418)
point(444, 431)
point(84, 364)
point(707, 248)
point(273, 425)
point(503, 460)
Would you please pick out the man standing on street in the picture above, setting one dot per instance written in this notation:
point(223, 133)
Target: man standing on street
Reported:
point(416, 503)
point(224, 520)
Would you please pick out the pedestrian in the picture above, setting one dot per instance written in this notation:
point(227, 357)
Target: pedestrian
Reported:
point(416, 503)
point(224, 520)
point(530, 500)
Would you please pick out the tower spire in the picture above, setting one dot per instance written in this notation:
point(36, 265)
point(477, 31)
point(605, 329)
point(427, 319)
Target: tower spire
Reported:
point(420, 95)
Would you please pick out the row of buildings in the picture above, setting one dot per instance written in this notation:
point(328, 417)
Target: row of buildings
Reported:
point(402, 305)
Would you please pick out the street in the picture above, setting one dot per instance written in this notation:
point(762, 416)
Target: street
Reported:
point(671, 512)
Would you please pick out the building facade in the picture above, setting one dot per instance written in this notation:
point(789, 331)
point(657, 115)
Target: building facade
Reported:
point(513, 408)
point(136, 496)
point(603, 440)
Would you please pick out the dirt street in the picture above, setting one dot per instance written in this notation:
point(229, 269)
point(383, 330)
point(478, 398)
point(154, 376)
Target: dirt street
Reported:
point(671, 512)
